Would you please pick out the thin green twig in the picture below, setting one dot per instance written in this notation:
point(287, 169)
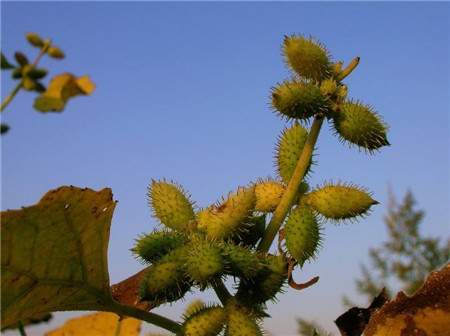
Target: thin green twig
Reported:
point(19, 85)
point(291, 191)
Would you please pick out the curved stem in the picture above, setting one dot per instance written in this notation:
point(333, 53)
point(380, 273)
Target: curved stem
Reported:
point(348, 70)
point(222, 292)
point(291, 191)
point(149, 317)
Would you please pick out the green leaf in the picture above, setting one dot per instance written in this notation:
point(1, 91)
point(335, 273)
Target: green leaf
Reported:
point(32, 320)
point(54, 254)
point(5, 65)
point(63, 87)
point(4, 128)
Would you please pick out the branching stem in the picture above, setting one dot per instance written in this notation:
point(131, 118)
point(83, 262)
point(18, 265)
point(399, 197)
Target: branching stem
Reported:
point(347, 71)
point(222, 292)
point(291, 191)
point(149, 317)
point(19, 85)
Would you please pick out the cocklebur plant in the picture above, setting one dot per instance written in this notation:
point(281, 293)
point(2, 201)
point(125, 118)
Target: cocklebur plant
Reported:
point(29, 76)
point(201, 247)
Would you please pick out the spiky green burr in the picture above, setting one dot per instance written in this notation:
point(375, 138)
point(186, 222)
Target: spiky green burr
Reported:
point(268, 195)
point(307, 58)
point(239, 322)
point(252, 233)
point(288, 150)
point(360, 125)
point(302, 234)
point(204, 261)
point(171, 205)
point(153, 246)
point(241, 261)
point(266, 283)
point(230, 217)
point(207, 321)
point(299, 100)
point(166, 280)
point(339, 202)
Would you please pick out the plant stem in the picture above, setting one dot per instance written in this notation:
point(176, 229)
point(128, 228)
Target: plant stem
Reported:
point(222, 292)
point(42, 52)
point(149, 317)
point(347, 71)
point(291, 191)
point(21, 328)
point(11, 96)
point(19, 86)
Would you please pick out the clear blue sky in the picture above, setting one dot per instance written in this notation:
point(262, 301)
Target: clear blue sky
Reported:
point(183, 91)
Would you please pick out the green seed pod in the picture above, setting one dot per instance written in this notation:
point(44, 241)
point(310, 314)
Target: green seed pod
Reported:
point(55, 52)
point(208, 321)
point(302, 235)
point(289, 148)
point(5, 65)
point(37, 73)
point(329, 88)
point(360, 125)
point(240, 323)
point(21, 58)
point(266, 284)
point(240, 261)
point(16, 73)
point(253, 232)
point(171, 205)
point(268, 195)
point(230, 217)
point(204, 262)
point(28, 84)
point(151, 247)
point(165, 281)
point(337, 202)
point(298, 100)
point(336, 68)
point(307, 57)
point(193, 307)
point(34, 39)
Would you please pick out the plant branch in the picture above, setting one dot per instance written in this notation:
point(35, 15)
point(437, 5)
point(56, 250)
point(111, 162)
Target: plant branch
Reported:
point(19, 85)
point(348, 70)
point(149, 317)
point(11, 95)
point(291, 191)
point(221, 291)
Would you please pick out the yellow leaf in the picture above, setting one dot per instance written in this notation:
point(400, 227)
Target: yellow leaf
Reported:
point(99, 324)
point(427, 312)
point(54, 254)
point(63, 87)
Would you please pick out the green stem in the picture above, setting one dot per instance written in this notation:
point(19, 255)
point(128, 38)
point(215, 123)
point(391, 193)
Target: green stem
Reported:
point(19, 86)
point(44, 48)
point(222, 292)
point(347, 71)
point(291, 191)
point(118, 327)
point(149, 317)
point(21, 328)
point(11, 96)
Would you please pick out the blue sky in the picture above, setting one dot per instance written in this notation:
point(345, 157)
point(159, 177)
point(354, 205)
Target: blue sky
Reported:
point(182, 93)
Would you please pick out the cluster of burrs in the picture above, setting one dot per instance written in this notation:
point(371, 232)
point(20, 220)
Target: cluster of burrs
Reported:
point(199, 247)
